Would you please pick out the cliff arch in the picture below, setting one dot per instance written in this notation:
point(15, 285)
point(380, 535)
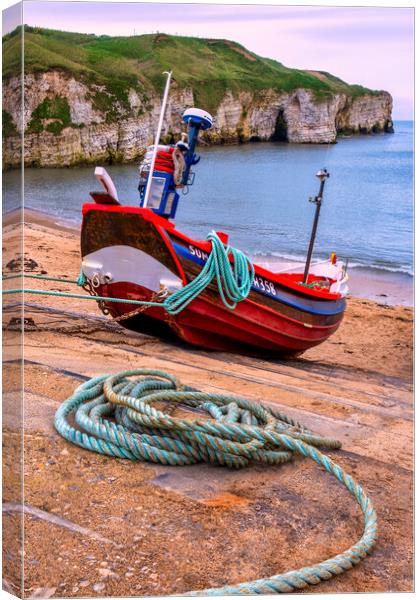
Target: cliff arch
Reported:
point(280, 133)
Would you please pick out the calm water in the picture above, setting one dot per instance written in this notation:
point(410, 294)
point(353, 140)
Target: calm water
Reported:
point(259, 194)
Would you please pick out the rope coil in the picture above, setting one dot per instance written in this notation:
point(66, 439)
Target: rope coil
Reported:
point(121, 417)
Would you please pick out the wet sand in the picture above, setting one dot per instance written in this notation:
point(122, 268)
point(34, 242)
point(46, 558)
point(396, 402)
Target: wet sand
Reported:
point(169, 529)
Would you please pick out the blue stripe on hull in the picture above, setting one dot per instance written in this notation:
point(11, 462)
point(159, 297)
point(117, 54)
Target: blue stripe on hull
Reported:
point(271, 289)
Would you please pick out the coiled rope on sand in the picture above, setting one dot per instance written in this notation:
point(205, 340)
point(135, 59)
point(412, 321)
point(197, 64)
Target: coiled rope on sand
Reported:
point(131, 418)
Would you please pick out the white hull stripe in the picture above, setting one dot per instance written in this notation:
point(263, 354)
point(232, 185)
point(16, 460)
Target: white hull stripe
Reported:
point(128, 264)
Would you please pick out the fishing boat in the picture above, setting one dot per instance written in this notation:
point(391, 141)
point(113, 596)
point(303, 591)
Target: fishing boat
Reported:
point(137, 253)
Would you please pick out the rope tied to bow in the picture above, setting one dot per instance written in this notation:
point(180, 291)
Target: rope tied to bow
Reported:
point(233, 279)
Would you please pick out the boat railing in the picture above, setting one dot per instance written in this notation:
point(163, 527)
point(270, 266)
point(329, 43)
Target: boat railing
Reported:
point(298, 266)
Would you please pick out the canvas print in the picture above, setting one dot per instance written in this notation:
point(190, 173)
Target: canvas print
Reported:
point(207, 299)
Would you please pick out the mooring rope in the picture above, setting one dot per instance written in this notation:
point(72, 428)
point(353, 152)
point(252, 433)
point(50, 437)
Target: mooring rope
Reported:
point(234, 281)
point(117, 416)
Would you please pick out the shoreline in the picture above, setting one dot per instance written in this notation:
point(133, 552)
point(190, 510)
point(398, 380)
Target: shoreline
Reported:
point(89, 162)
point(385, 288)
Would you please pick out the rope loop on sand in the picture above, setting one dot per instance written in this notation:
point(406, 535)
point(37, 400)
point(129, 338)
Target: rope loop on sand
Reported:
point(234, 281)
point(131, 418)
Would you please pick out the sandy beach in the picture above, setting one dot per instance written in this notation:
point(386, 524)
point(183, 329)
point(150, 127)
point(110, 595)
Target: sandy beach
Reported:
point(170, 530)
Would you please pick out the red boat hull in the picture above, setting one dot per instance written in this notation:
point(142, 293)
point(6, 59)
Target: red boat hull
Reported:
point(279, 317)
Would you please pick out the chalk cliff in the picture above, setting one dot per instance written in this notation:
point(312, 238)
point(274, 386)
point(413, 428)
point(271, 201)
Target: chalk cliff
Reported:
point(297, 117)
point(88, 100)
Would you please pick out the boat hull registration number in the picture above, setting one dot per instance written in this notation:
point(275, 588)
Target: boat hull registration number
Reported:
point(260, 284)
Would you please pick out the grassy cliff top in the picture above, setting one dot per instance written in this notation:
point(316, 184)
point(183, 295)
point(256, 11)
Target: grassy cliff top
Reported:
point(209, 66)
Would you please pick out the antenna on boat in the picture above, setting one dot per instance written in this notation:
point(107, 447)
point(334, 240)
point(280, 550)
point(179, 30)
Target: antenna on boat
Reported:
point(322, 176)
point(157, 137)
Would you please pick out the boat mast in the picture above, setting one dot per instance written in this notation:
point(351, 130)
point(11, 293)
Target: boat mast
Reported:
point(157, 137)
point(322, 176)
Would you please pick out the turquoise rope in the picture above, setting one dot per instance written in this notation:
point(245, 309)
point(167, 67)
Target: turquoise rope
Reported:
point(81, 280)
point(79, 296)
point(233, 285)
point(44, 277)
point(117, 416)
point(234, 281)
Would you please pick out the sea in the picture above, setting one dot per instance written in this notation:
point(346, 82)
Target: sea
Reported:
point(259, 194)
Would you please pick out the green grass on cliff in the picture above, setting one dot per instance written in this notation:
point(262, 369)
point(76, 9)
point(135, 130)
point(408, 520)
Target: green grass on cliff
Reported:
point(56, 111)
point(210, 67)
point(8, 126)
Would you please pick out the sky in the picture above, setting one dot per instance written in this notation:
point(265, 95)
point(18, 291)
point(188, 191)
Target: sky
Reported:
point(367, 45)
